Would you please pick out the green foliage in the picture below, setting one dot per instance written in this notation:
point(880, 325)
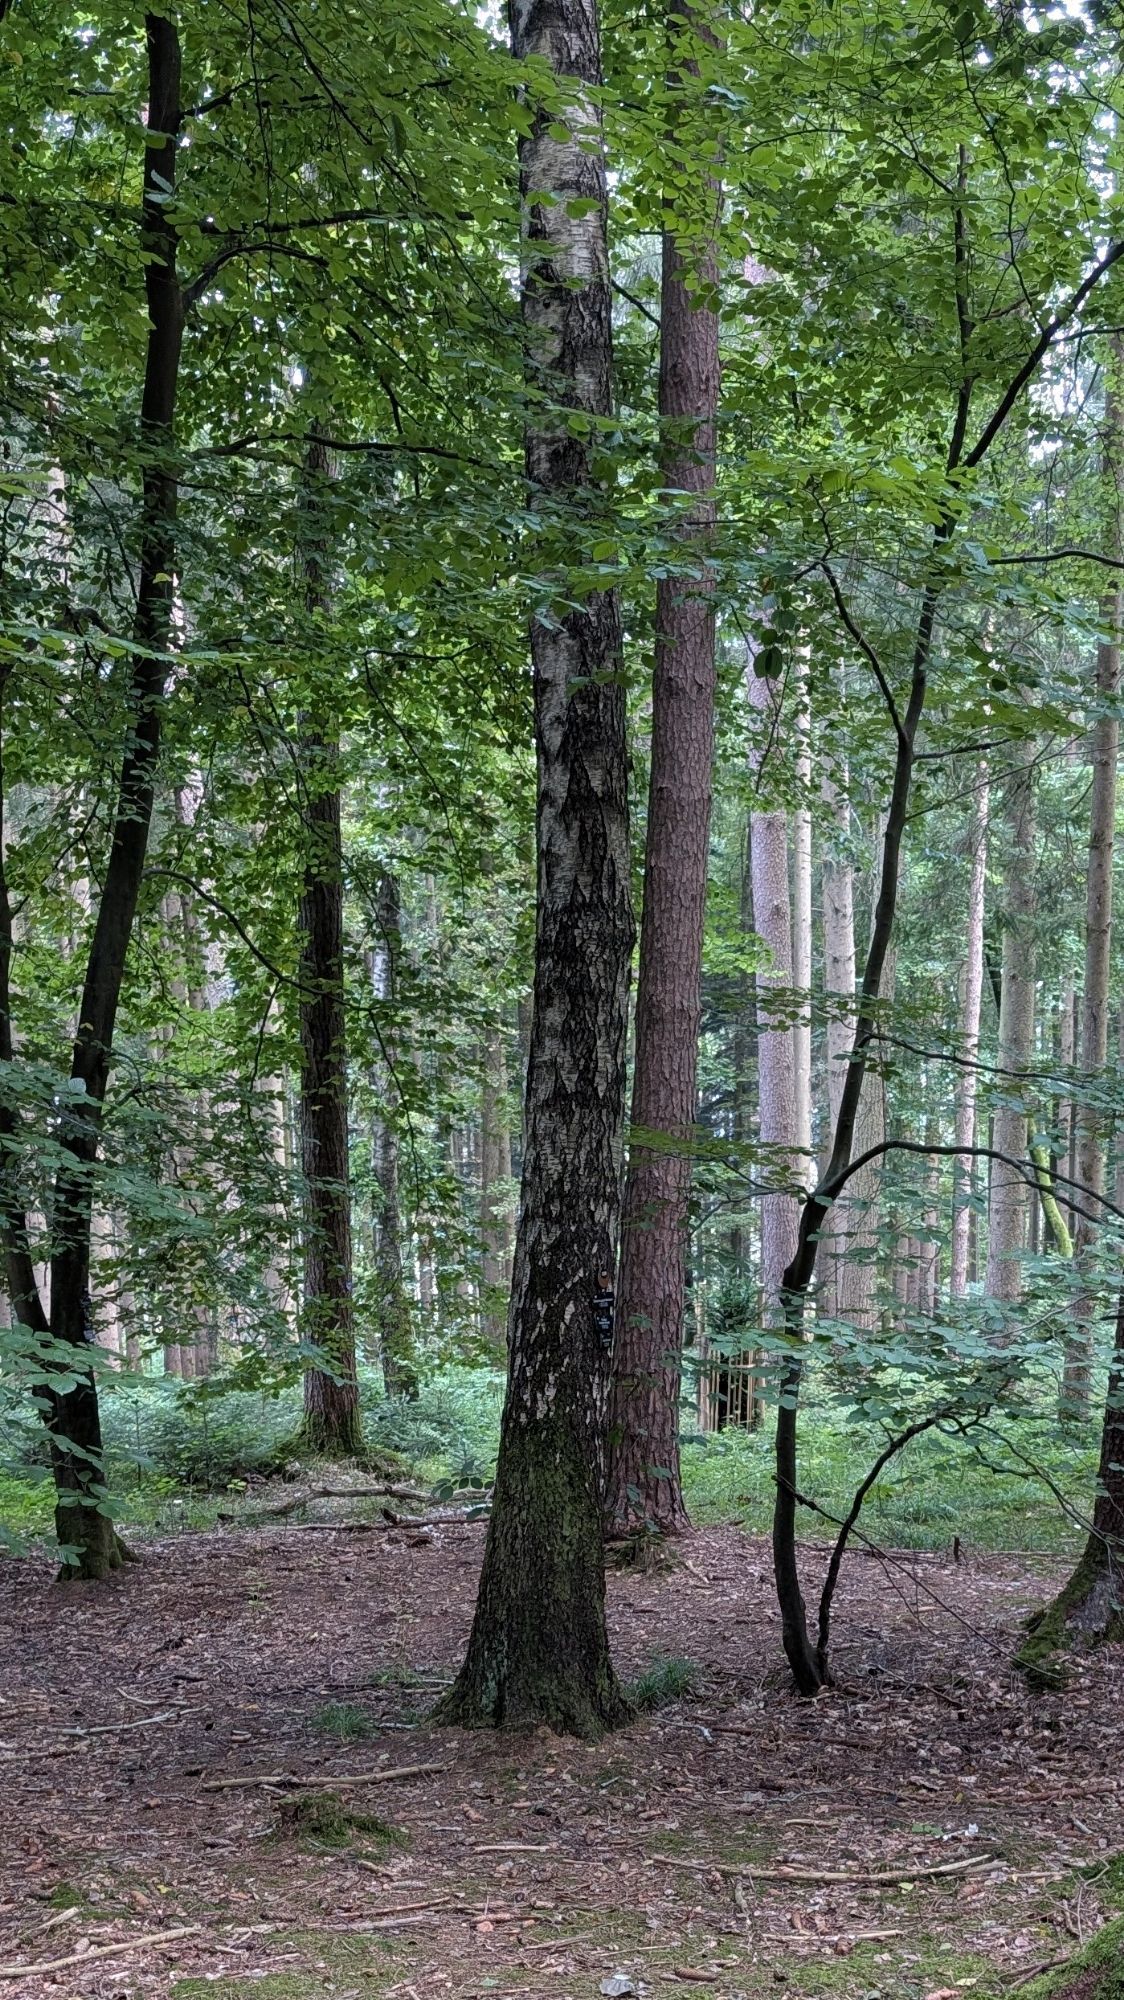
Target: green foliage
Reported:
point(345, 1721)
point(325, 1820)
point(665, 1679)
point(1094, 1973)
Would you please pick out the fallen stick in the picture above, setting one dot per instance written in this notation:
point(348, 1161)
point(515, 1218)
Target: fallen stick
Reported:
point(386, 1527)
point(321, 1784)
point(557, 1943)
point(883, 1876)
point(512, 1847)
point(299, 1500)
point(115, 1728)
point(100, 1951)
point(404, 1909)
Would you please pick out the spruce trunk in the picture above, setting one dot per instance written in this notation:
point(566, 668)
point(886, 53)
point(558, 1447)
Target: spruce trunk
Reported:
point(538, 1651)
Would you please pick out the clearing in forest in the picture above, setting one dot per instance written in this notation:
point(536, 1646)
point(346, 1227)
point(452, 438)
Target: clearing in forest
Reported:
point(923, 1829)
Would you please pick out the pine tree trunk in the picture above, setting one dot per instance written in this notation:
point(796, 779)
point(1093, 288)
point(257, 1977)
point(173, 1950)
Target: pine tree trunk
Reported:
point(1091, 1134)
point(331, 1393)
point(90, 1546)
point(967, 1077)
point(539, 1651)
point(643, 1490)
point(395, 1329)
point(1007, 1208)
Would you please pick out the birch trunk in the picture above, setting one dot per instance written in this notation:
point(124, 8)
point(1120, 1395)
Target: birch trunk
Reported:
point(538, 1652)
point(967, 1077)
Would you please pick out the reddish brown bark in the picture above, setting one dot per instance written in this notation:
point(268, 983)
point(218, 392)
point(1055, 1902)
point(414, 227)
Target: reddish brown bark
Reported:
point(643, 1486)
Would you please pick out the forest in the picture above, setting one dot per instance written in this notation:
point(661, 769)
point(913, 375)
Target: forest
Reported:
point(561, 1021)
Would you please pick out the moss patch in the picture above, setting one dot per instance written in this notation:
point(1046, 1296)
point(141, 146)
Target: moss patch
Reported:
point(323, 1819)
point(1097, 1973)
point(1083, 1613)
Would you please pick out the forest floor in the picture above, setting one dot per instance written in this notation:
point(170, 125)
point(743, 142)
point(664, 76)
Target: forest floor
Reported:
point(143, 1853)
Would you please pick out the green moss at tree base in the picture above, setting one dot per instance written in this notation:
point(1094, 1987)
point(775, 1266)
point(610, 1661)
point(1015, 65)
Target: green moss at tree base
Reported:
point(93, 1548)
point(1096, 1973)
point(1084, 1613)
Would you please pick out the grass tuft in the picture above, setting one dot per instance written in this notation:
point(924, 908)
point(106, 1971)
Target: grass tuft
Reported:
point(344, 1720)
point(666, 1679)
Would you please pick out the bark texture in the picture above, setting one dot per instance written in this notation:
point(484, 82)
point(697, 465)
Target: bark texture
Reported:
point(776, 1039)
point(838, 892)
point(967, 1078)
point(331, 1393)
point(802, 920)
point(1091, 1122)
point(393, 1318)
point(495, 1177)
point(1007, 1206)
point(538, 1651)
point(643, 1488)
point(85, 1531)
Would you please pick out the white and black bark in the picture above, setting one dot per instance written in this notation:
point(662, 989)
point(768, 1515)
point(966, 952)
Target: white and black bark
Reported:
point(538, 1651)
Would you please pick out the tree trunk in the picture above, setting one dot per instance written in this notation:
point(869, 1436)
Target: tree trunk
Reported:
point(392, 1309)
point(856, 1211)
point(967, 1077)
point(1007, 1207)
point(538, 1651)
point(802, 922)
point(495, 1180)
point(331, 1393)
point(90, 1546)
point(643, 1490)
point(776, 1040)
point(1091, 1134)
point(837, 883)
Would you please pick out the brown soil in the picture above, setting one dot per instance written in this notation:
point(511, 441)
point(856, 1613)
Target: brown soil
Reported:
point(537, 1866)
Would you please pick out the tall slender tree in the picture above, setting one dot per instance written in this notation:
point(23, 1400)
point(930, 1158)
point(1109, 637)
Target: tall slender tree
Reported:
point(967, 1077)
point(1007, 1206)
point(331, 1391)
point(1091, 1124)
point(643, 1486)
point(90, 1544)
point(538, 1651)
